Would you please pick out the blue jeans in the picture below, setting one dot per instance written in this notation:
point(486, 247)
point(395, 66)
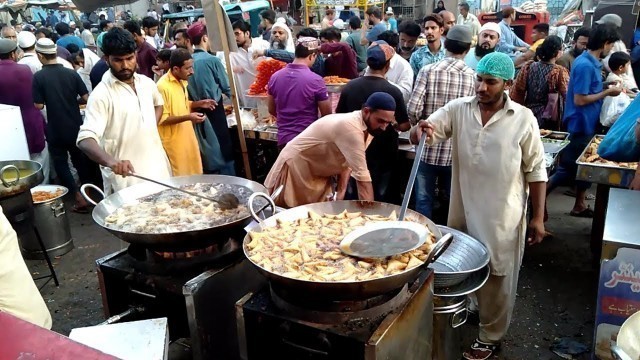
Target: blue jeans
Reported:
point(567, 168)
point(425, 186)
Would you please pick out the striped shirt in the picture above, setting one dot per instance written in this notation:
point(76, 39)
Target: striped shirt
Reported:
point(435, 86)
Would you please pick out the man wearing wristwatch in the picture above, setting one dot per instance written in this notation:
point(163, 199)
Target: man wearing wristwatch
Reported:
point(383, 152)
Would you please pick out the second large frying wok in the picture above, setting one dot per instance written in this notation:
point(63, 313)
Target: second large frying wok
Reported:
point(168, 241)
point(342, 290)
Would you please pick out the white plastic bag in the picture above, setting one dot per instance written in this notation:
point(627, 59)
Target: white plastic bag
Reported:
point(612, 107)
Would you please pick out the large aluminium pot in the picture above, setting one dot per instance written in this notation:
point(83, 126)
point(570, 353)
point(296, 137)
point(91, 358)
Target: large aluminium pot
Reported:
point(176, 240)
point(19, 176)
point(345, 290)
point(51, 220)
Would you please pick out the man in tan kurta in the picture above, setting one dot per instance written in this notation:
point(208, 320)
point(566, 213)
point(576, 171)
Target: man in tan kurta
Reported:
point(497, 159)
point(19, 295)
point(334, 145)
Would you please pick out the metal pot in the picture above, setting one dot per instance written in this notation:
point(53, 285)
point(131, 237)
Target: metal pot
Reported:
point(19, 176)
point(449, 314)
point(169, 241)
point(345, 290)
point(51, 220)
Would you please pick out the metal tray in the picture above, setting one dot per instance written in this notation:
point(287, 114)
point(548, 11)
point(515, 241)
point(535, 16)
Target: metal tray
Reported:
point(601, 173)
point(552, 146)
point(556, 135)
point(474, 282)
point(335, 88)
point(261, 134)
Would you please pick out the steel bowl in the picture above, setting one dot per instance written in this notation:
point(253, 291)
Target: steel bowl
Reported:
point(464, 256)
point(19, 176)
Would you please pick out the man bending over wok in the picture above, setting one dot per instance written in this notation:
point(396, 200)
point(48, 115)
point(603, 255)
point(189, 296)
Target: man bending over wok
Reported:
point(332, 146)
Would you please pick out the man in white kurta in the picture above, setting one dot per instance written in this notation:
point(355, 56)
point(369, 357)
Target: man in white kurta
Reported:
point(242, 61)
point(120, 130)
point(497, 158)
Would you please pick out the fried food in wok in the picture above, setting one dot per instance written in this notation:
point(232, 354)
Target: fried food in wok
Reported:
point(171, 211)
point(309, 249)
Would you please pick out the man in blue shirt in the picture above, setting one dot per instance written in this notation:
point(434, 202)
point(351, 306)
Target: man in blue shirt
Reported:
point(373, 16)
point(582, 110)
point(509, 41)
point(66, 37)
point(434, 51)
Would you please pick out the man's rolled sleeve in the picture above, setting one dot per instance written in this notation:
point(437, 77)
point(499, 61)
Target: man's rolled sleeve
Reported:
point(442, 123)
point(350, 141)
point(533, 163)
point(95, 119)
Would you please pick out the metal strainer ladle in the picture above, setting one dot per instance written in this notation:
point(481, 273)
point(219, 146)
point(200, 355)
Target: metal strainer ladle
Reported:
point(226, 201)
point(387, 238)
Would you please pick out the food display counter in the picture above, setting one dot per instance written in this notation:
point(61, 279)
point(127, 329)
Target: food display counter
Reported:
point(619, 279)
point(605, 174)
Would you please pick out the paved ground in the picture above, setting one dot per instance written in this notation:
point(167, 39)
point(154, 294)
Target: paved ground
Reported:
point(556, 293)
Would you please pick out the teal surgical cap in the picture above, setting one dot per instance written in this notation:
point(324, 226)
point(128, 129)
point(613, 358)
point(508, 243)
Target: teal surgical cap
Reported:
point(497, 64)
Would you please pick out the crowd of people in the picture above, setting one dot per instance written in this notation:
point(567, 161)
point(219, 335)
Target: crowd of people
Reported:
point(157, 109)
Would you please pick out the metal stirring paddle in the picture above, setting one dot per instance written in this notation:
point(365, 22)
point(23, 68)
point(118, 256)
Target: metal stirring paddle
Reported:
point(387, 238)
point(226, 201)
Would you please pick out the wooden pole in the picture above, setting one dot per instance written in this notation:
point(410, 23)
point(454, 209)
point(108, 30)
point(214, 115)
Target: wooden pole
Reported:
point(234, 98)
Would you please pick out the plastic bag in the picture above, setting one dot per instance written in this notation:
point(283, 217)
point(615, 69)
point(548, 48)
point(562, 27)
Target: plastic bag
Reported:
point(612, 108)
point(620, 144)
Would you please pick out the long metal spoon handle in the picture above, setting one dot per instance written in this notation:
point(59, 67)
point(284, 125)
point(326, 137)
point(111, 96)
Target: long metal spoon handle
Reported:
point(173, 187)
point(412, 176)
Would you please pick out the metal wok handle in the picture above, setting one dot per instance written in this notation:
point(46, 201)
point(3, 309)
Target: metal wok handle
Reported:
point(253, 212)
point(83, 191)
point(618, 353)
point(439, 248)
point(4, 170)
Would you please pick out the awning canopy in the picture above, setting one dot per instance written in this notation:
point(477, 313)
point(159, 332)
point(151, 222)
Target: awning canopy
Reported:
point(91, 5)
point(16, 5)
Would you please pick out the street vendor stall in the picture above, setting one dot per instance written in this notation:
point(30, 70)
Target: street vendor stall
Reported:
point(619, 283)
point(605, 174)
point(315, 6)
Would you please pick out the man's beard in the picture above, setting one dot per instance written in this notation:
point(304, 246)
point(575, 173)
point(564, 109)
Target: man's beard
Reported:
point(481, 52)
point(123, 75)
point(372, 132)
point(277, 44)
point(576, 52)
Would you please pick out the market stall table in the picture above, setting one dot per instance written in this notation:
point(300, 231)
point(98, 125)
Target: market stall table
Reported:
point(605, 176)
point(28, 341)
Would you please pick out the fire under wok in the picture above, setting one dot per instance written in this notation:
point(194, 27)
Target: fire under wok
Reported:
point(171, 240)
point(345, 290)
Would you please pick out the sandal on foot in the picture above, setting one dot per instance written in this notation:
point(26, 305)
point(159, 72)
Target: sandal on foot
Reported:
point(586, 213)
point(481, 350)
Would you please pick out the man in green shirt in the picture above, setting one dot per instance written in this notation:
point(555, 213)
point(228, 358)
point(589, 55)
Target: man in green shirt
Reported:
point(354, 41)
point(210, 81)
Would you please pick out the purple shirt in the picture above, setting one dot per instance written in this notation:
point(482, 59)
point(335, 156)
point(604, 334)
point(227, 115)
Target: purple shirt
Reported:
point(15, 82)
point(146, 58)
point(296, 91)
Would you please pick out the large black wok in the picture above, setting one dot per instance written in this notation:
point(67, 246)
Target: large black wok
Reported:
point(345, 290)
point(169, 241)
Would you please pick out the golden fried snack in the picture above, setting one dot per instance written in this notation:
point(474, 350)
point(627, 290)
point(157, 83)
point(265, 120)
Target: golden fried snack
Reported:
point(309, 249)
point(40, 196)
point(591, 156)
point(335, 80)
